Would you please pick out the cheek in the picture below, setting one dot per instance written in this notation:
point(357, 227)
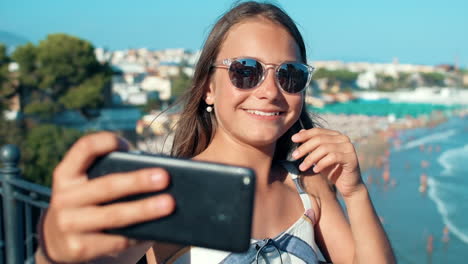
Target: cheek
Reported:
point(296, 103)
point(225, 92)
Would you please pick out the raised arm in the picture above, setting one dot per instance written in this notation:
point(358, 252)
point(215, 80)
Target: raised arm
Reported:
point(362, 239)
point(73, 225)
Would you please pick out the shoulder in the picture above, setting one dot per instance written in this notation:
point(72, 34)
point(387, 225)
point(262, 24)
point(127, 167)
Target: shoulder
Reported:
point(319, 188)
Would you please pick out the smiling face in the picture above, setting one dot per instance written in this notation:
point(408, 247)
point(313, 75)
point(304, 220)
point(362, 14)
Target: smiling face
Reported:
point(261, 115)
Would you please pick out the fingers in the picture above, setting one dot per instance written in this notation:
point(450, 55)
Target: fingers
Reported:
point(113, 186)
point(116, 215)
point(77, 160)
point(330, 154)
point(322, 148)
point(75, 218)
point(305, 134)
point(76, 213)
point(315, 141)
point(315, 156)
point(330, 159)
point(81, 248)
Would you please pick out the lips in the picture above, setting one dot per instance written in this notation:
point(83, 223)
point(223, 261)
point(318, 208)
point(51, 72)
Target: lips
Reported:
point(263, 113)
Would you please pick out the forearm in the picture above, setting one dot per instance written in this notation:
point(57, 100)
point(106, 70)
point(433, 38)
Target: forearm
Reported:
point(371, 242)
point(130, 255)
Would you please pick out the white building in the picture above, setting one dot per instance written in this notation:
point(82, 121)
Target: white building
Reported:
point(391, 69)
point(367, 80)
point(168, 69)
point(102, 55)
point(158, 84)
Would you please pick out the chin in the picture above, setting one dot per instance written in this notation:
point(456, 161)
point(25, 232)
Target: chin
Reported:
point(262, 141)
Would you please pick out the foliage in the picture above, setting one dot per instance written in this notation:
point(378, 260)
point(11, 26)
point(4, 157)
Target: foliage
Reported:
point(42, 110)
point(343, 78)
point(60, 73)
point(433, 78)
point(87, 94)
point(4, 60)
point(3, 76)
point(404, 81)
point(3, 54)
point(386, 83)
point(152, 104)
point(5, 88)
point(46, 146)
point(26, 57)
point(65, 61)
point(42, 147)
point(10, 132)
point(180, 84)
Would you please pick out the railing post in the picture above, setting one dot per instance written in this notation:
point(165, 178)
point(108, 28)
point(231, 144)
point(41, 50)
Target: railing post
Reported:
point(12, 209)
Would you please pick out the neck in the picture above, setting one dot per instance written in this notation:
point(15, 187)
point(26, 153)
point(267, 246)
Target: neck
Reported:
point(228, 151)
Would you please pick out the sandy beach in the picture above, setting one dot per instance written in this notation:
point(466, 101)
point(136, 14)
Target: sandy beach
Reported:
point(414, 173)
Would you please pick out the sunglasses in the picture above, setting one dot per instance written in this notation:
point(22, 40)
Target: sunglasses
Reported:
point(247, 73)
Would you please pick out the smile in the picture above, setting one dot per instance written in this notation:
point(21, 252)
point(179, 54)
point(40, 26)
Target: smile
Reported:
point(261, 113)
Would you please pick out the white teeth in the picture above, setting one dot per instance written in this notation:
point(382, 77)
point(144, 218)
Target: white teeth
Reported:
point(256, 112)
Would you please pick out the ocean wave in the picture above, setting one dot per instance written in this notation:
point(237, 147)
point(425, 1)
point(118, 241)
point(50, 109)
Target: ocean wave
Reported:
point(445, 210)
point(437, 137)
point(453, 159)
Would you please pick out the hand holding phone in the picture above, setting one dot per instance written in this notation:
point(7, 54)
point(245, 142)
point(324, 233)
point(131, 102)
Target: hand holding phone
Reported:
point(214, 202)
point(72, 227)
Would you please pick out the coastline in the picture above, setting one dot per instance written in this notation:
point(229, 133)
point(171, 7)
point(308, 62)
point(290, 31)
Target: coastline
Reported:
point(424, 225)
point(372, 135)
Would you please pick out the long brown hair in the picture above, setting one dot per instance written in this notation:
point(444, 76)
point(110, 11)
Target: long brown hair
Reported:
point(196, 126)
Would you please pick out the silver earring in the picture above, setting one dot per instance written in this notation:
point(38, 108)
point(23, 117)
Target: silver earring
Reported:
point(209, 108)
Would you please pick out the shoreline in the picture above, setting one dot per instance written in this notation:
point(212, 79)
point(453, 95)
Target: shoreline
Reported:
point(372, 135)
point(423, 223)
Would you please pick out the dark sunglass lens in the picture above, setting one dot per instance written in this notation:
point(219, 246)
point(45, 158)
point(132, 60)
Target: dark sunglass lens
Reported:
point(245, 73)
point(293, 77)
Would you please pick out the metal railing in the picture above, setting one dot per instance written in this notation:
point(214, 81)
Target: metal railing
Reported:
point(22, 203)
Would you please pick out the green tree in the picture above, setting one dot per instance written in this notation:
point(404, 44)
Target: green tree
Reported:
point(86, 94)
point(46, 146)
point(27, 76)
point(60, 73)
point(346, 79)
point(9, 131)
point(433, 78)
point(386, 83)
point(339, 75)
point(180, 84)
point(152, 104)
point(4, 60)
point(403, 80)
point(6, 83)
point(3, 76)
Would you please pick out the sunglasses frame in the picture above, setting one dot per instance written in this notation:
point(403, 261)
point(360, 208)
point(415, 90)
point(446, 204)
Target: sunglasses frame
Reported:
point(226, 64)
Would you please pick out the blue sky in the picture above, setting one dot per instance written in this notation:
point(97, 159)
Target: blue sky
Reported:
point(414, 31)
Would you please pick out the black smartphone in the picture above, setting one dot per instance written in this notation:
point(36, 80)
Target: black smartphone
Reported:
point(214, 202)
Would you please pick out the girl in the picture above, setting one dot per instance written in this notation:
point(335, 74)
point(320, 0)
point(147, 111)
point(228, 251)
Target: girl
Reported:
point(245, 107)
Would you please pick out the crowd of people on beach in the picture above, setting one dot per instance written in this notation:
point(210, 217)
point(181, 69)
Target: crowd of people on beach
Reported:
point(374, 139)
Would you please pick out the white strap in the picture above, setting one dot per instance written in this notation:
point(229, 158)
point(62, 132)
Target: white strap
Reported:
point(293, 172)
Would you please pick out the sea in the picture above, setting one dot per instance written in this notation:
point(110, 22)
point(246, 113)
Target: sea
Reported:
point(424, 205)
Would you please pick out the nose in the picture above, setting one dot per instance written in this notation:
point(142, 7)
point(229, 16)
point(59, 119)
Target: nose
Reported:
point(268, 88)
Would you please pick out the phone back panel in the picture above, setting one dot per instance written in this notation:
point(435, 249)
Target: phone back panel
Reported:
point(214, 202)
